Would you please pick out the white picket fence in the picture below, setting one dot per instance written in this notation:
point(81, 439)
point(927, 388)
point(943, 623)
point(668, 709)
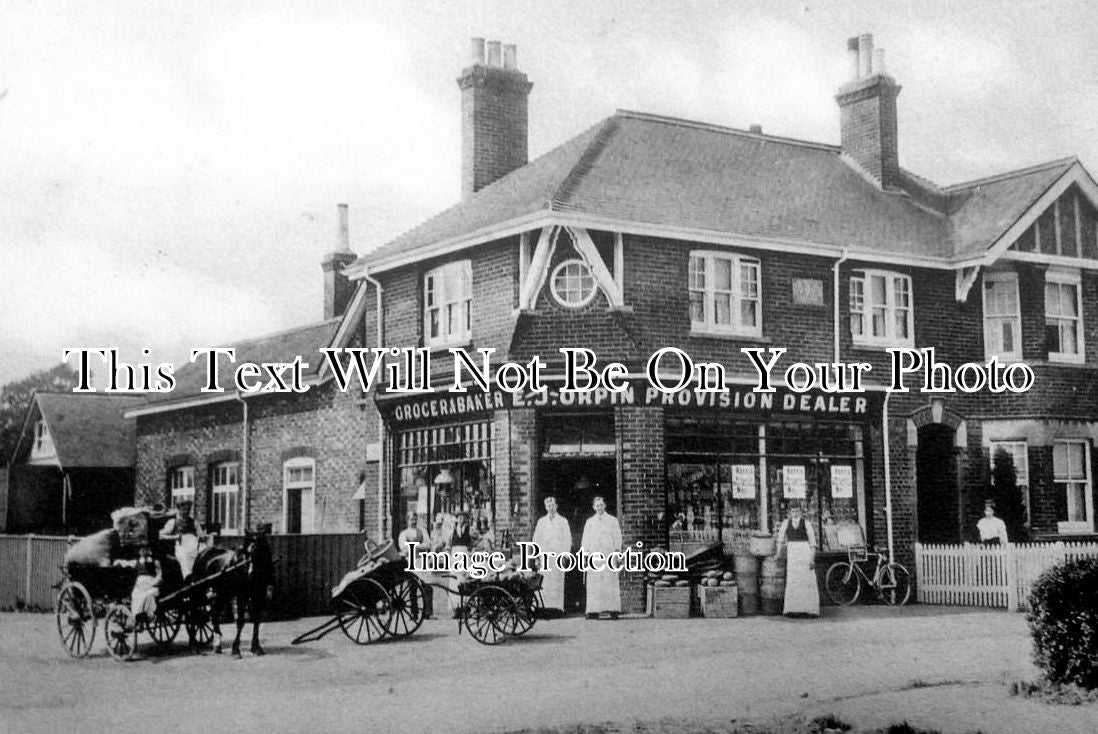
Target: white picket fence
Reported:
point(987, 576)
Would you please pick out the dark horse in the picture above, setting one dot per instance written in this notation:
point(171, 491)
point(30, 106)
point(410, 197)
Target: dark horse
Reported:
point(246, 583)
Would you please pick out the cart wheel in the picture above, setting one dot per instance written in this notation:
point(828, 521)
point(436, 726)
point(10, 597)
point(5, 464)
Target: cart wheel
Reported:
point(490, 615)
point(409, 603)
point(165, 626)
point(199, 623)
point(120, 630)
point(527, 609)
point(75, 619)
point(364, 611)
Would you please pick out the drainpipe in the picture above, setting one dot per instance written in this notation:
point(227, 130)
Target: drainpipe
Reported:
point(380, 423)
point(887, 477)
point(835, 270)
point(246, 505)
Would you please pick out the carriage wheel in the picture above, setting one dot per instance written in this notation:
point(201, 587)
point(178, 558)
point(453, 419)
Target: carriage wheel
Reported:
point(165, 626)
point(490, 615)
point(75, 619)
point(409, 606)
point(199, 623)
point(120, 629)
point(364, 611)
point(527, 608)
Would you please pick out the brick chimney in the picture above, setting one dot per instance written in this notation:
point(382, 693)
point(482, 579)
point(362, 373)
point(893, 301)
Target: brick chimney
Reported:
point(867, 106)
point(493, 115)
point(338, 289)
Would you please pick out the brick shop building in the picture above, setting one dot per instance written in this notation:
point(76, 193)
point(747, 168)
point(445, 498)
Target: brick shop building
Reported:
point(645, 232)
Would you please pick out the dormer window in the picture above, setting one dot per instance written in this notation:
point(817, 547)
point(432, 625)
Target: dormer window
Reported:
point(881, 311)
point(725, 297)
point(447, 303)
point(43, 443)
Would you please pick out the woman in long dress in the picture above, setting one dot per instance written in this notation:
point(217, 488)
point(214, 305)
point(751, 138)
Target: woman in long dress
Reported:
point(797, 541)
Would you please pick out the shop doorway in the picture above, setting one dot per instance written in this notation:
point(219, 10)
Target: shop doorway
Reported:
point(936, 485)
point(575, 482)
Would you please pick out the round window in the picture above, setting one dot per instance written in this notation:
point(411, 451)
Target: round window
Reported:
point(573, 284)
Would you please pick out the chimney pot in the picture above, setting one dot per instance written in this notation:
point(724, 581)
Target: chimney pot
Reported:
point(510, 56)
point(494, 57)
point(344, 228)
point(756, 129)
point(878, 61)
point(478, 51)
point(865, 55)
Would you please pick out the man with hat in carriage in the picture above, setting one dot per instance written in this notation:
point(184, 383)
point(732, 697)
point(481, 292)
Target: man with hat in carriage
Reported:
point(186, 531)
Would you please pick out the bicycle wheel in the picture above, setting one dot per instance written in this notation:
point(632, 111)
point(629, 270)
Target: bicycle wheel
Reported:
point(894, 585)
point(842, 584)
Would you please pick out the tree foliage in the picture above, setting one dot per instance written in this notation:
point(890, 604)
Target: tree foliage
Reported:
point(16, 396)
point(1063, 618)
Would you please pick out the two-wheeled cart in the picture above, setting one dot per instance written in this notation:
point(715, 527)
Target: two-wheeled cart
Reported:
point(382, 599)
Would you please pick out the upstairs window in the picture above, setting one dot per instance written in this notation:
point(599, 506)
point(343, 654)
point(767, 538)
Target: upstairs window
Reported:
point(725, 297)
point(881, 311)
point(1063, 316)
point(1002, 317)
point(43, 443)
point(448, 296)
point(573, 284)
point(181, 485)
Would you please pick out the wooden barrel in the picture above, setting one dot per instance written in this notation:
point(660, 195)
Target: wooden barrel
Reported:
point(747, 580)
point(772, 585)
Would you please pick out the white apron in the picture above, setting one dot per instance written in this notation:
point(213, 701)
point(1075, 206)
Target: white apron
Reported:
point(186, 551)
point(602, 534)
point(553, 535)
point(802, 596)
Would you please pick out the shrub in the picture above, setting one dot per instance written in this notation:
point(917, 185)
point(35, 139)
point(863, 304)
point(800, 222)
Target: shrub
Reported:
point(1064, 619)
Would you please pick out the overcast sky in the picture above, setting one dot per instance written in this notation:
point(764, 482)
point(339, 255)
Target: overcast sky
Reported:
point(169, 172)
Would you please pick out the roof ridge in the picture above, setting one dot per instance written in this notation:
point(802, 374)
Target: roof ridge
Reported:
point(291, 330)
point(586, 160)
point(995, 178)
point(712, 127)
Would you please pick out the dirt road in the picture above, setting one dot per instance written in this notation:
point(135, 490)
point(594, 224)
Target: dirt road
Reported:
point(935, 667)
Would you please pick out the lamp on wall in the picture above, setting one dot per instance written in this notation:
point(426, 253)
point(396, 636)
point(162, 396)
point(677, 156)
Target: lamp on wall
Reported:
point(444, 477)
point(583, 483)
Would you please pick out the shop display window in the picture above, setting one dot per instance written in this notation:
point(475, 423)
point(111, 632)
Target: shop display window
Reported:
point(443, 469)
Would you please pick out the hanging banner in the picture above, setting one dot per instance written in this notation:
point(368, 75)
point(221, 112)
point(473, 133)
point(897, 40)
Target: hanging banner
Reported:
point(842, 481)
point(793, 482)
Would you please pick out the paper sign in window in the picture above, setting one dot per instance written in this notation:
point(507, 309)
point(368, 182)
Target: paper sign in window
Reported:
point(842, 481)
point(743, 481)
point(793, 482)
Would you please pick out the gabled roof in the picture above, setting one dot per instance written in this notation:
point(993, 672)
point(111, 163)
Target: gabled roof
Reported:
point(987, 207)
point(87, 429)
point(284, 346)
point(647, 173)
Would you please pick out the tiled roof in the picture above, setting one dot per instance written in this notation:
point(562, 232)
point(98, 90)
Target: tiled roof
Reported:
point(986, 208)
point(304, 341)
point(88, 429)
point(675, 174)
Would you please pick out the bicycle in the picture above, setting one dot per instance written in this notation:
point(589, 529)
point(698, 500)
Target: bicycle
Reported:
point(843, 581)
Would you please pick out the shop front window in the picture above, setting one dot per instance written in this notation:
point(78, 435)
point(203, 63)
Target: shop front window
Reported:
point(819, 465)
point(444, 469)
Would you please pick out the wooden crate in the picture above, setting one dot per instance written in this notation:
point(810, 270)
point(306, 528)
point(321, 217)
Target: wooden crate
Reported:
point(719, 601)
point(669, 602)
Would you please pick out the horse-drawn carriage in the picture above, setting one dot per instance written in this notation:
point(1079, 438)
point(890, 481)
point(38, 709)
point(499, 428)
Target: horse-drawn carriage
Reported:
point(382, 599)
point(99, 578)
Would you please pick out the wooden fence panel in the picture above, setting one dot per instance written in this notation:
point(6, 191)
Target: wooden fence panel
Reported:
point(988, 576)
point(306, 569)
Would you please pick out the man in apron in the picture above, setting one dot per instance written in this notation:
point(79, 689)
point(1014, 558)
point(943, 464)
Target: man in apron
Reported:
point(602, 534)
point(552, 535)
